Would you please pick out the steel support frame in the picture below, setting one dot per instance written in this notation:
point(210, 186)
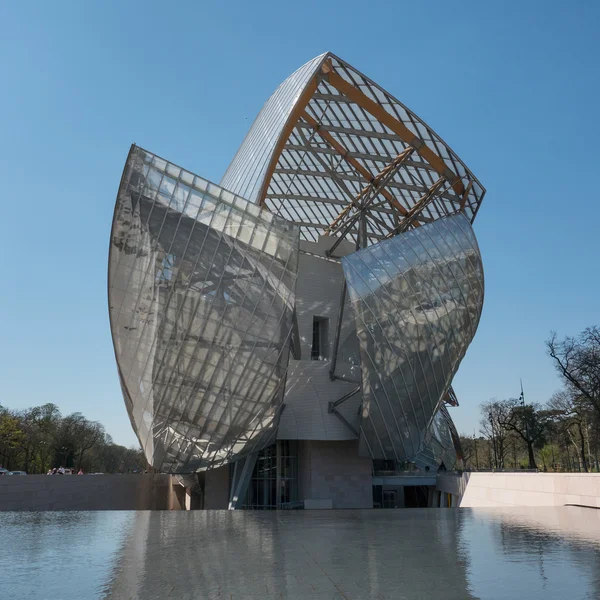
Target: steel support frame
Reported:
point(242, 474)
point(338, 330)
point(332, 409)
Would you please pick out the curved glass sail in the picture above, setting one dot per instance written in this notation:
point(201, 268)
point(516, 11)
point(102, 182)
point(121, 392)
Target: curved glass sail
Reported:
point(417, 299)
point(201, 296)
point(442, 444)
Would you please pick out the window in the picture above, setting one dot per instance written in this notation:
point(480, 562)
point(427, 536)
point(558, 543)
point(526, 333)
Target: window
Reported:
point(320, 341)
point(276, 465)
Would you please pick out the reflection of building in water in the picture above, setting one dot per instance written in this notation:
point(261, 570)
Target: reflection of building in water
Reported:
point(297, 555)
point(306, 317)
point(199, 554)
point(129, 566)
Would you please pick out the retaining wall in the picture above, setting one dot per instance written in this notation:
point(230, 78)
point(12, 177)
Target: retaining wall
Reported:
point(88, 492)
point(522, 489)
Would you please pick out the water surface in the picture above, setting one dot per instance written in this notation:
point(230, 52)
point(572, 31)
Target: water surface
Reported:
point(541, 553)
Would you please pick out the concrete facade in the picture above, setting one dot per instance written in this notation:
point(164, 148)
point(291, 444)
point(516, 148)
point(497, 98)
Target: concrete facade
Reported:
point(522, 489)
point(332, 475)
point(309, 388)
point(87, 492)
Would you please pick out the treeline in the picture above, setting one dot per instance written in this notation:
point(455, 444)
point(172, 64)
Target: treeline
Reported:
point(40, 438)
point(561, 435)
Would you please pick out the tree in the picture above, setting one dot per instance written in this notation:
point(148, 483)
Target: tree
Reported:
point(527, 421)
point(492, 415)
point(577, 361)
point(12, 437)
point(39, 424)
point(474, 452)
point(75, 436)
point(35, 439)
point(571, 415)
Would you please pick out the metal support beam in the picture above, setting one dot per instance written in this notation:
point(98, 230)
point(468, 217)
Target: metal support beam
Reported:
point(333, 405)
point(242, 472)
point(332, 409)
point(346, 380)
point(338, 330)
point(345, 421)
point(362, 229)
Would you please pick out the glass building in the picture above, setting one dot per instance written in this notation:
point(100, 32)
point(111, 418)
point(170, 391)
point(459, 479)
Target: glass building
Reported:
point(292, 332)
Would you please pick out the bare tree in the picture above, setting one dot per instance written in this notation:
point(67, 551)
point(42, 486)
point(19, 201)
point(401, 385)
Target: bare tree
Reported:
point(75, 436)
point(87, 434)
point(492, 416)
point(577, 360)
point(572, 414)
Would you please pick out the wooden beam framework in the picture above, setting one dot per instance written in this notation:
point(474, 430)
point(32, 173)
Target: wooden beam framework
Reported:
point(376, 184)
point(465, 196)
point(374, 187)
point(345, 154)
point(416, 210)
point(376, 110)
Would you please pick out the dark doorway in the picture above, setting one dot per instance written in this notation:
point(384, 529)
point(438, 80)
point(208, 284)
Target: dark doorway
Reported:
point(416, 496)
point(320, 340)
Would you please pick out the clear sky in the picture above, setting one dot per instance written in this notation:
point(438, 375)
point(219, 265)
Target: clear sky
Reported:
point(512, 87)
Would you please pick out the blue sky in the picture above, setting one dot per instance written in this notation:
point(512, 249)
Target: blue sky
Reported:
point(512, 87)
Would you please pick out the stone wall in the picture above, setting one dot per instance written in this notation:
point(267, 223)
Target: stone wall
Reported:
point(522, 489)
point(332, 475)
point(87, 492)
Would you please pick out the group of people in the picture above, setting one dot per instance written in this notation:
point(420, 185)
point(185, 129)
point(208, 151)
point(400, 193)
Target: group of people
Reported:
point(63, 471)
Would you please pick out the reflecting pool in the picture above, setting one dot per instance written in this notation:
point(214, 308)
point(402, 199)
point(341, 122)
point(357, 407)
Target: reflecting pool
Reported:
point(537, 553)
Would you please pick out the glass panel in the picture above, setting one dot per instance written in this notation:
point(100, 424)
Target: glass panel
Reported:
point(201, 312)
point(417, 300)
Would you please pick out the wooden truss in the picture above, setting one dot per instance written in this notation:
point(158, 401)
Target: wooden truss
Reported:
point(325, 171)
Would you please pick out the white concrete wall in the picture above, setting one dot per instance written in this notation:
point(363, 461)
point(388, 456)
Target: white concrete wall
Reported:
point(309, 388)
point(308, 393)
point(523, 489)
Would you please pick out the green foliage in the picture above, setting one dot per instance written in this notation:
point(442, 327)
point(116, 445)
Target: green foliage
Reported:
point(40, 438)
